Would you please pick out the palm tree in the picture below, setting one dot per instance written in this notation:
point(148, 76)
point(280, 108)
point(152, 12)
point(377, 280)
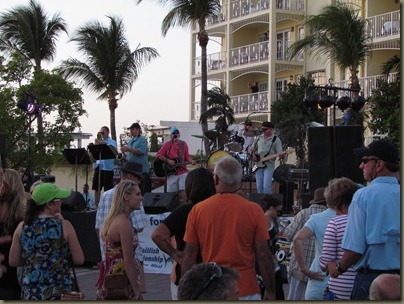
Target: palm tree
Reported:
point(111, 68)
point(392, 65)
point(219, 106)
point(340, 34)
point(189, 13)
point(29, 31)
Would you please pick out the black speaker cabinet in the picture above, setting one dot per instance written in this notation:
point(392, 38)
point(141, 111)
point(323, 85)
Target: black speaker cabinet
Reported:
point(257, 198)
point(75, 202)
point(331, 155)
point(155, 203)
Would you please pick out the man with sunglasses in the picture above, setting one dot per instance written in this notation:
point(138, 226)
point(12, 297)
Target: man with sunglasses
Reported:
point(104, 167)
point(266, 145)
point(372, 236)
point(176, 155)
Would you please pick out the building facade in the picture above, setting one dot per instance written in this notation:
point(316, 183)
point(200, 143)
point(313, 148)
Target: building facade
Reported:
point(248, 45)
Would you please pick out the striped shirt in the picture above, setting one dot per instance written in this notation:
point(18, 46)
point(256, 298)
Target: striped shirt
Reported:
point(332, 252)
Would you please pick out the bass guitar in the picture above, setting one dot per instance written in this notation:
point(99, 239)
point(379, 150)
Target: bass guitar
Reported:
point(263, 161)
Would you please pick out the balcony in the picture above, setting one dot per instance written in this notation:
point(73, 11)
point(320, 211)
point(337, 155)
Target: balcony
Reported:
point(217, 19)
point(215, 62)
point(249, 54)
point(244, 104)
point(290, 5)
point(385, 25)
point(242, 8)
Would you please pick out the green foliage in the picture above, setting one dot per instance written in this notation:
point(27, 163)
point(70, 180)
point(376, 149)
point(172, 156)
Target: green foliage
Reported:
point(290, 116)
point(62, 107)
point(384, 111)
point(154, 147)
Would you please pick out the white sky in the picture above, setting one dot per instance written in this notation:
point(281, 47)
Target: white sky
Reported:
point(162, 89)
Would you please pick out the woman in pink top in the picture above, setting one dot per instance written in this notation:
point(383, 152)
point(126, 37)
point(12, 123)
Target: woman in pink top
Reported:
point(338, 288)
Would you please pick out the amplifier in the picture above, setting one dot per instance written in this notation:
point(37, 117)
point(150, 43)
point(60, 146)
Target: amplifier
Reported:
point(299, 174)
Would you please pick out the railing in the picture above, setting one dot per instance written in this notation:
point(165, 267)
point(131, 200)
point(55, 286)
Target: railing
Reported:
point(292, 5)
point(215, 61)
point(249, 54)
point(245, 7)
point(247, 103)
point(384, 25)
point(219, 18)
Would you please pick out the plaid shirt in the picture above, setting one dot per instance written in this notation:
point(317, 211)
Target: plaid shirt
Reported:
point(137, 218)
point(309, 247)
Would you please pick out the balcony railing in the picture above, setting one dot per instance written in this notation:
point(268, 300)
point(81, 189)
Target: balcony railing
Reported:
point(384, 25)
point(293, 5)
point(241, 8)
point(219, 18)
point(243, 104)
point(215, 61)
point(249, 54)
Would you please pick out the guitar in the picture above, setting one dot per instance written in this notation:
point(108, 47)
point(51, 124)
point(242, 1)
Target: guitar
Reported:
point(161, 168)
point(262, 162)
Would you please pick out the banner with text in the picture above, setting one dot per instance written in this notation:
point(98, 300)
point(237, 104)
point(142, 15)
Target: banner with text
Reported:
point(155, 260)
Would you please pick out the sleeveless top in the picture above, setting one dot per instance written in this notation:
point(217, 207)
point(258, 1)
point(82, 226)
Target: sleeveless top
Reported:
point(44, 264)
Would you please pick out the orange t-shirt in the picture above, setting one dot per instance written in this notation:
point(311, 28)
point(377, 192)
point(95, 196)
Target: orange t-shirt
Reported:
point(226, 227)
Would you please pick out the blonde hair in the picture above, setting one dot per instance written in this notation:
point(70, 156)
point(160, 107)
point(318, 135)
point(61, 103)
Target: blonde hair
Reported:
point(118, 204)
point(14, 197)
point(339, 192)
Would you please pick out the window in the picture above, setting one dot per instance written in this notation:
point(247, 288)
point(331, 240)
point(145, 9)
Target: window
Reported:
point(318, 76)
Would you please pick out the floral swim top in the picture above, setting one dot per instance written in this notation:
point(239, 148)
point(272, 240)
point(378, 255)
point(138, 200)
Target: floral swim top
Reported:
point(43, 269)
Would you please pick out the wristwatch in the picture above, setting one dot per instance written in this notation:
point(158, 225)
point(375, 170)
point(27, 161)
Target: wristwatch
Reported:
point(340, 270)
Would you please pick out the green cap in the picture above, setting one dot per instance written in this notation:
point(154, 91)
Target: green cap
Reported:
point(47, 192)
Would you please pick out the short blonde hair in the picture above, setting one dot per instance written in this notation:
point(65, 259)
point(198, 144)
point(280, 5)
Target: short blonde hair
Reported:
point(339, 192)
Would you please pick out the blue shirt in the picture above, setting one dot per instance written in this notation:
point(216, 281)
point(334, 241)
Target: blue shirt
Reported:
point(89, 199)
point(107, 164)
point(137, 218)
point(373, 227)
point(139, 143)
point(318, 225)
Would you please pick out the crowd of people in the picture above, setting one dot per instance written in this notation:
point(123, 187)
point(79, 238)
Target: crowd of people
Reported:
point(220, 242)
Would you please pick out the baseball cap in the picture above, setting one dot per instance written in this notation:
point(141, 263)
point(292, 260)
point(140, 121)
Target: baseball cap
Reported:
point(248, 122)
point(173, 129)
point(133, 168)
point(382, 149)
point(134, 125)
point(267, 124)
point(47, 192)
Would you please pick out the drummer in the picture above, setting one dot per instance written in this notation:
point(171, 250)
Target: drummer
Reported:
point(248, 135)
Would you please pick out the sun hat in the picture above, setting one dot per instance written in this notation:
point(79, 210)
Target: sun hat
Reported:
point(382, 149)
point(318, 196)
point(173, 129)
point(133, 168)
point(47, 192)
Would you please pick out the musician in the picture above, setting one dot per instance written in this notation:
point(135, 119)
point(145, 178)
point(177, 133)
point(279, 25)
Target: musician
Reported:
point(175, 152)
point(265, 145)
point(248, 135)
point(136, 151)
point(106, 166)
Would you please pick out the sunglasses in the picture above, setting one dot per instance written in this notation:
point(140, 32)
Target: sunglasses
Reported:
point(365, 160)
point(216, 274)
point(264, 129)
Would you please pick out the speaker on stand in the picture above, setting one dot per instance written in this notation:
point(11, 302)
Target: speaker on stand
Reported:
point(156, 203)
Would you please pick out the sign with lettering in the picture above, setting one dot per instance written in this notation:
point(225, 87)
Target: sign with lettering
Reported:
point(155, 260)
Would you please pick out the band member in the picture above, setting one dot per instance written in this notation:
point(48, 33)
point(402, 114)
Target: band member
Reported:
point(175, 154)
point(248, 135)
point(265, 145)
point(136, 151)
point(106, 166)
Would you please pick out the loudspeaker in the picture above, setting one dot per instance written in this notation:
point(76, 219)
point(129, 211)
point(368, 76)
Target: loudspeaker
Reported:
point(75, 202)
point(331, 155)
point(3, 150)
point(155, 203)
point(257, 198)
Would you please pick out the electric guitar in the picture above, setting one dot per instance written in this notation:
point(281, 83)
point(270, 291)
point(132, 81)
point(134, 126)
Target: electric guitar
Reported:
point(162, 168)
point(262, 162)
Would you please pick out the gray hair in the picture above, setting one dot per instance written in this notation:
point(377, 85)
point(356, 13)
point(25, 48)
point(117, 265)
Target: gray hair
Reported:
point(229, 170)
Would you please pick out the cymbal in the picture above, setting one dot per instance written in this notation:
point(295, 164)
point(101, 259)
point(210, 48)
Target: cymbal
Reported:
point(255, 123)
point(200, 136)
point(214, 135)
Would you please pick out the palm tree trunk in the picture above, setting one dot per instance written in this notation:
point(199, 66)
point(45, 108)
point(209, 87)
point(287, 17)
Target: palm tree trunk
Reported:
point(113, 104)
point(203, 42)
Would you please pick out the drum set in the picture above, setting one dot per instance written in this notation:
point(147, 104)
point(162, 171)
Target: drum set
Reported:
point(230, 144)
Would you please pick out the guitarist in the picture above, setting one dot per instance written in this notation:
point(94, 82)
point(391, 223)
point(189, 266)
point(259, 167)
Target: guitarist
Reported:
point(266, 144)
point(175, 152)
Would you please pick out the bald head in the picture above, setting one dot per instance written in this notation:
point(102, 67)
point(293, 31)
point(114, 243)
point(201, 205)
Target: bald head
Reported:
point(385, 287)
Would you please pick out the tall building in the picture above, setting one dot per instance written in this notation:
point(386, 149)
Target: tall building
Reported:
point(249, 41)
